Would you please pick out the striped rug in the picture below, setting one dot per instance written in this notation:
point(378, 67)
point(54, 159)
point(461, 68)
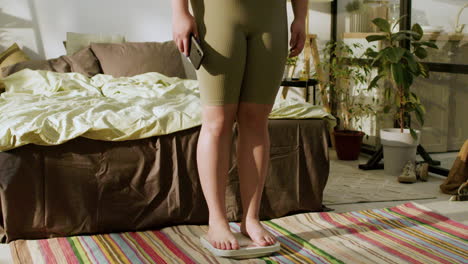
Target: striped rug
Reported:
point(407, 233)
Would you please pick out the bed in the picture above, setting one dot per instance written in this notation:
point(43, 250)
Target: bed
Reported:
point(101, 181)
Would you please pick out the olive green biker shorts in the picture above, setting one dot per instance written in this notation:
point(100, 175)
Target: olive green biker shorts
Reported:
point(246, 45)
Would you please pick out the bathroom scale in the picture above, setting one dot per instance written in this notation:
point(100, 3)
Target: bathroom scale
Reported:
point(247, 248)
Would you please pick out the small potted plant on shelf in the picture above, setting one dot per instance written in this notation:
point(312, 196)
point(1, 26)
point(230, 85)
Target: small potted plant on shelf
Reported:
point(400, 66)
point(347, 80)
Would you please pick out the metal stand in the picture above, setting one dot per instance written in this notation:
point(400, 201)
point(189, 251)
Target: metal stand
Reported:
point(374, 162)
point(295, 82)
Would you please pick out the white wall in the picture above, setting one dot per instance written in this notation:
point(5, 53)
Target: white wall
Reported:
point(45, 22)
point(141, 20)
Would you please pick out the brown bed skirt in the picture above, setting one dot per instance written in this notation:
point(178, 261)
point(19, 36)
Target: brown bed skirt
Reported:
point(87, 186)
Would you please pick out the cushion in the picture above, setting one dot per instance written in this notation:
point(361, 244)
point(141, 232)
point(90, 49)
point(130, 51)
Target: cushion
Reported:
point(56, 65)
point(12, 56)
point(85, 62)
point(133, 58)
point(77, 41)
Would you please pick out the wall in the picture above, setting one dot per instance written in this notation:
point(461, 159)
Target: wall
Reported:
point(148, 20)
point(40, 26)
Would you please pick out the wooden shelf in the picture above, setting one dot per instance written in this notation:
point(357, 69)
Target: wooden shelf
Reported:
point(427, 36)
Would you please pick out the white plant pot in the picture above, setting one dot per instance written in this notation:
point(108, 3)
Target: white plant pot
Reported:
point(398, 149)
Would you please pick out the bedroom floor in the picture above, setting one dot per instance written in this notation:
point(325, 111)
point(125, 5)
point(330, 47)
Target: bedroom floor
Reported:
point(457, 211)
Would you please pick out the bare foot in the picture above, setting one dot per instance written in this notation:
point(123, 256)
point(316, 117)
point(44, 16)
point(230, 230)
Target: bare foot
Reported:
point(220, 236)
point(254, 229)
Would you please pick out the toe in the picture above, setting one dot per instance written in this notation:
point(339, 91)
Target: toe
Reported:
point(262, 242)
point(223, 245)
point(234, 244)
point(272, 241)
point(228, 245)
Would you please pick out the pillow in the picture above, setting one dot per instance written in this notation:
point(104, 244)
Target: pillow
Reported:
point(56, 65)
point(133, 58)
point(78, 41)
point(84, 62)
point(12, 56)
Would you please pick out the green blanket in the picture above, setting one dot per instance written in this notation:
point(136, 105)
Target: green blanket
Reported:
point(49, 108)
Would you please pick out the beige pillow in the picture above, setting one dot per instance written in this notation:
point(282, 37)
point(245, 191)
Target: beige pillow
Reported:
point(133, 58)
point(77, 41)
point(84, 62)
point(12, 56)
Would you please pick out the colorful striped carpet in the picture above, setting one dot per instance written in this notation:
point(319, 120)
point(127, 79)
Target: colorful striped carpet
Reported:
point(407, 233)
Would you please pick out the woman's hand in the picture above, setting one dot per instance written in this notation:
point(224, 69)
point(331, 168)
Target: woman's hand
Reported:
point(183, 24)
point(298, 37)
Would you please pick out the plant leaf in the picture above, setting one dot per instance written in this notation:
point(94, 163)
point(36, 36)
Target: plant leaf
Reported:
point(371, 53)
point(418, 29)
point(382, 24)
point(397, 73)
point(374, 82)
point(419, 114)
point(399, 36)
point(394, 54)
point(410, 32)
point(421, 53)
point(412, 64)
point(373, 38)
point(413, 134)
point(429, 44)
point(397, 101)
point(423, 69)
point(399, 21)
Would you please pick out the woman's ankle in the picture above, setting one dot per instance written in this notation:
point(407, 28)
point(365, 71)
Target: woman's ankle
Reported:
point(250, 219)
point(217, 221)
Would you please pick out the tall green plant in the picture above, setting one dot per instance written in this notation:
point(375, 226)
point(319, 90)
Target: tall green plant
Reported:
point(347, 76)
point(401, 66)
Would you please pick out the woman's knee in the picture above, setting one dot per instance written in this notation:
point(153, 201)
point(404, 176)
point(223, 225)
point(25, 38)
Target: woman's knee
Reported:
point(253, 116)
point(219, 121)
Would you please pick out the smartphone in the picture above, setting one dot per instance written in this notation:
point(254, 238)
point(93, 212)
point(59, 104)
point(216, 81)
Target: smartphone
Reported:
point(196, 54)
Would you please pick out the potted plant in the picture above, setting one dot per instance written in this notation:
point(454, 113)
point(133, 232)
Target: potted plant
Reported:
point(347, 77)
point(400, 66)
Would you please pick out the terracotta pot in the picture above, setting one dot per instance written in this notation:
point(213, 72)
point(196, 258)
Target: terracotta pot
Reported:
point(348, 144)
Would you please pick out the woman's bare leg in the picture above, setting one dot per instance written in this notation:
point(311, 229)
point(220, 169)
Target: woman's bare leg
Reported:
point(253, 155)
point(213, 150)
